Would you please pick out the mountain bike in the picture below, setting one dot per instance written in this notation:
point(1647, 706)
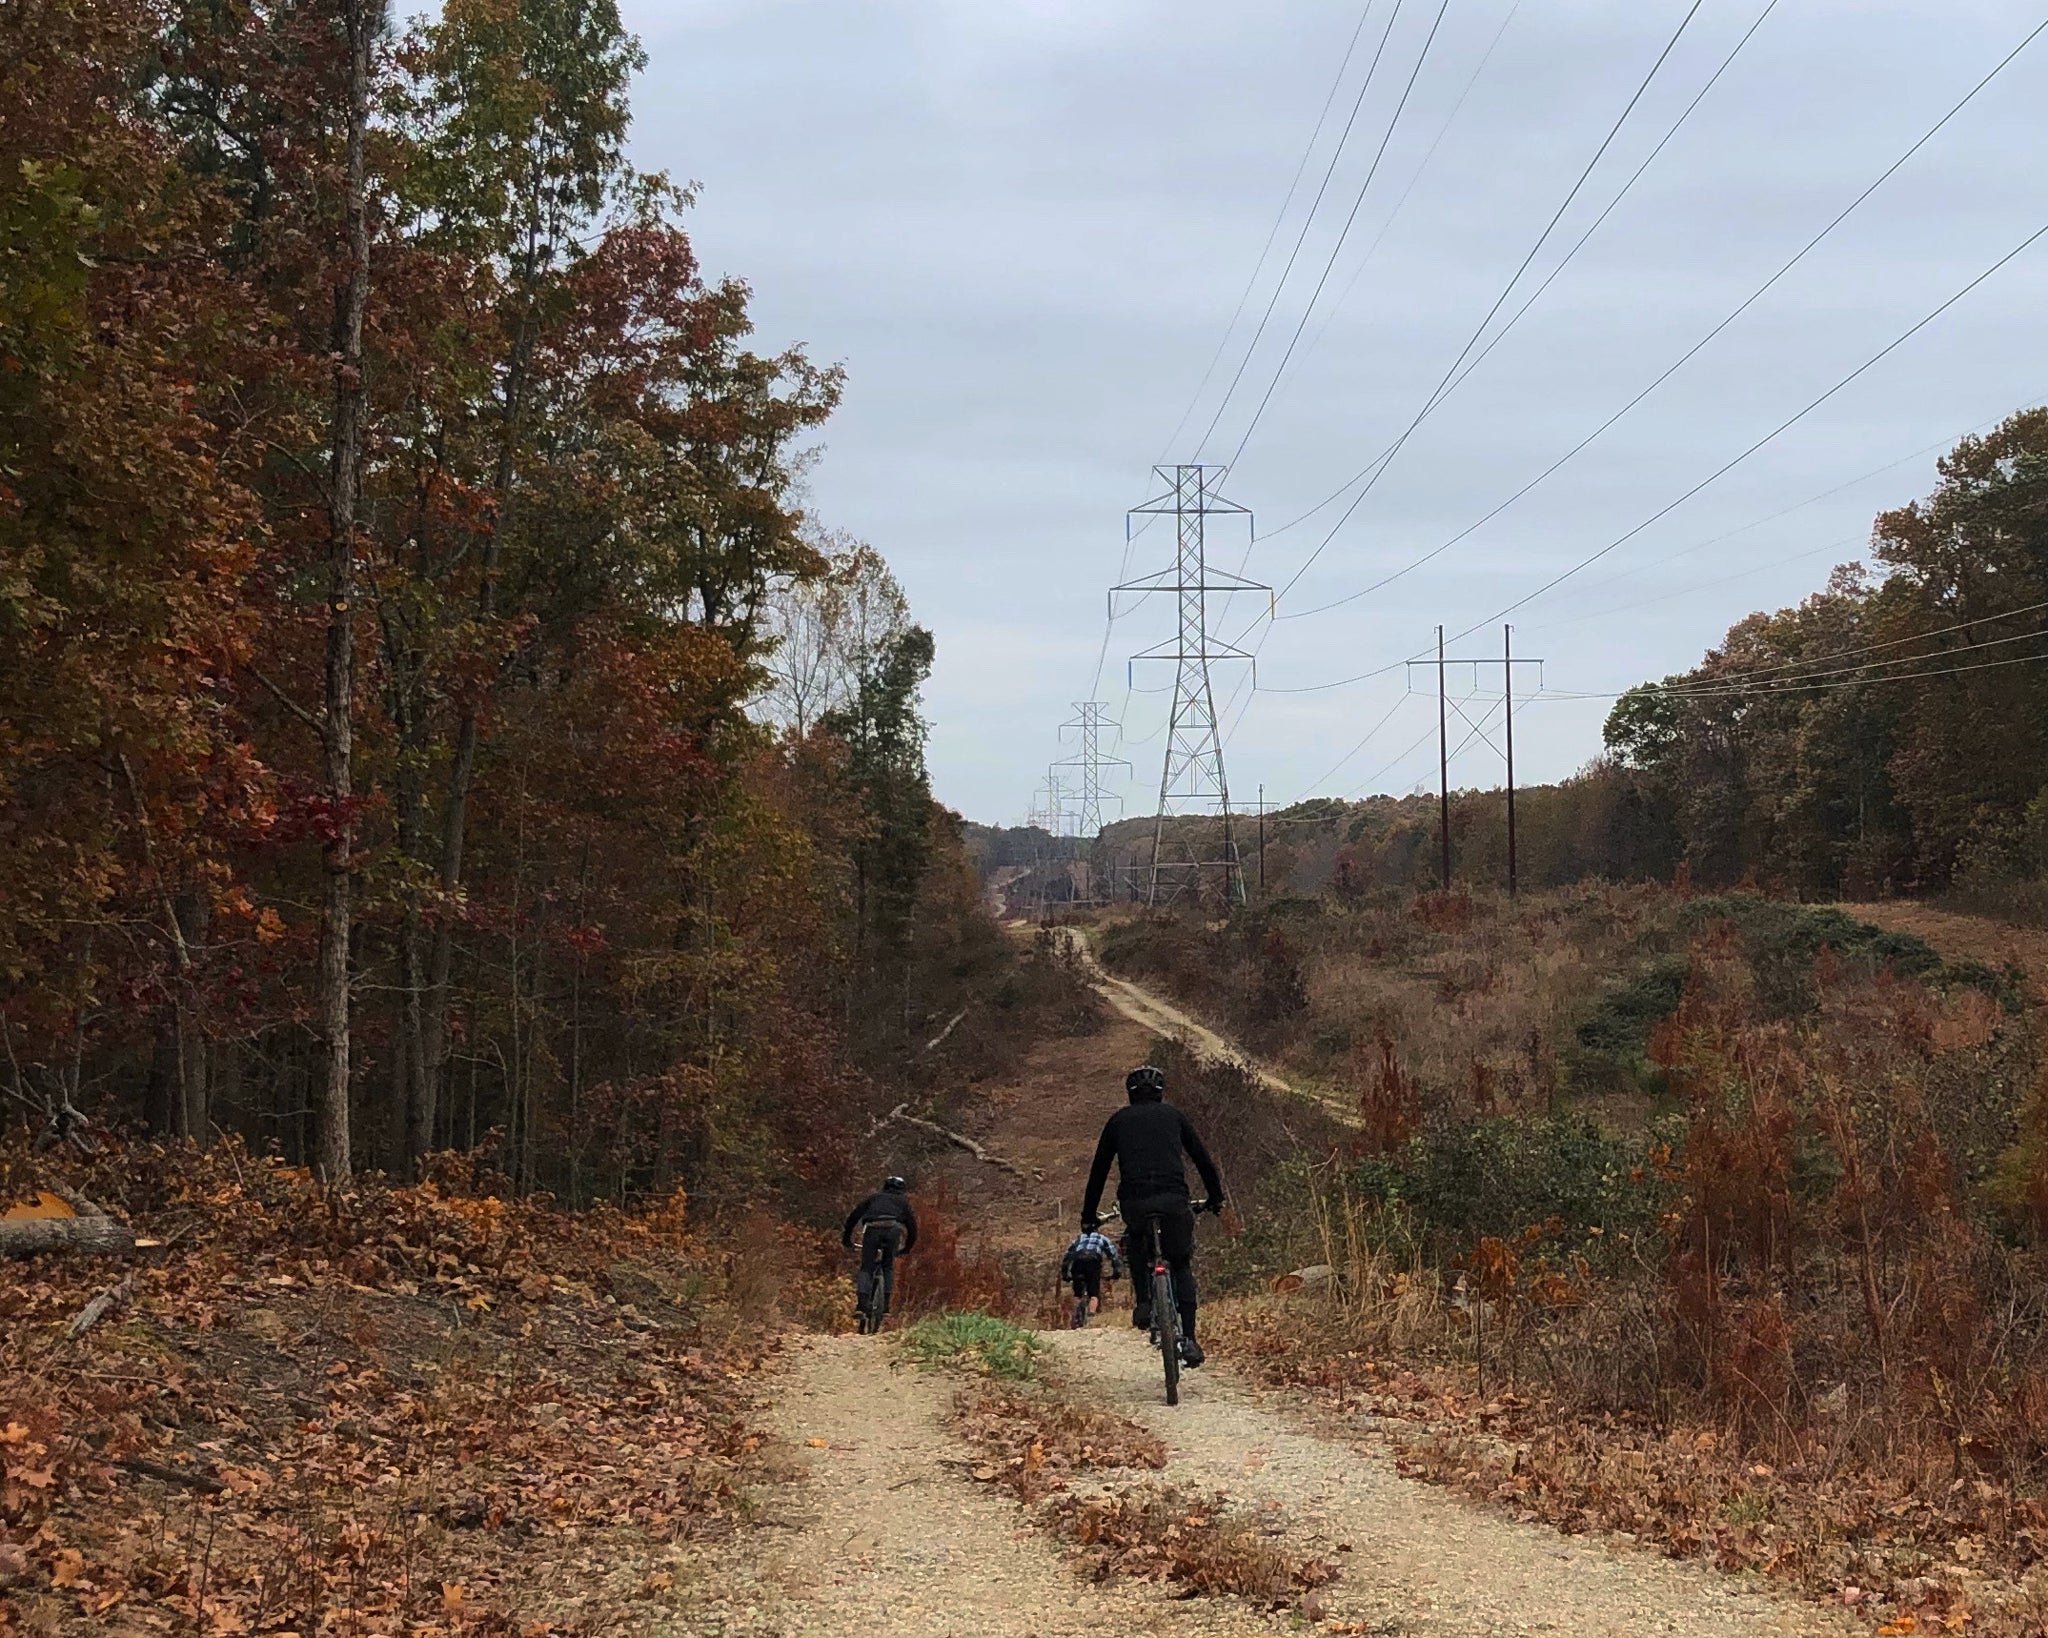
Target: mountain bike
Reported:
point(869, 1311)
point(868, 1315)
point(1165, 1332)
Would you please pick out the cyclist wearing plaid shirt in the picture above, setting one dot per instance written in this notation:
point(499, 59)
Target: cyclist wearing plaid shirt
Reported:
point(1082, 1266)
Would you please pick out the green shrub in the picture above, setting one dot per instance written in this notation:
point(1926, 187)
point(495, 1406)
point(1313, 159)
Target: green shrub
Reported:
point(1620, 1026)
point(974, 1341)
point(1460, 1180)
point(1781, 942)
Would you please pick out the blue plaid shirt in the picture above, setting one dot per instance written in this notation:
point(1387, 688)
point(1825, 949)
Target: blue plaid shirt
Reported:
point(1092, 1243)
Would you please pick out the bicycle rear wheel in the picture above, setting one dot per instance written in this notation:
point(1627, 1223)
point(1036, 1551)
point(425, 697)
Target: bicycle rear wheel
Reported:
point(1166, 1326)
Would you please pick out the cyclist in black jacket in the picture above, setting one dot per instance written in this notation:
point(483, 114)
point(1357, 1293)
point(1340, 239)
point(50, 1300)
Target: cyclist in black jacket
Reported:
point(1147, 1139)
point(888, 1227)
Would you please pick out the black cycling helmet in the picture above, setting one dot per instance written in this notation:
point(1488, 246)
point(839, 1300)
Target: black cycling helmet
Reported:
point(1146, 1084)
point(893, 1185)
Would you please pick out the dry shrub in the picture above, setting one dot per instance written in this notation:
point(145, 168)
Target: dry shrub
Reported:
point(938, 1277)
point(1033, 1436)
point(1198, 1542)
point(1389, 1104)
point(1444, 912)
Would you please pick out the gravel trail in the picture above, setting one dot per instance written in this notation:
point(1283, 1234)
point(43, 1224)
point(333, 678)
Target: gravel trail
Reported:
point(1421, 1560)
point(882, 1529)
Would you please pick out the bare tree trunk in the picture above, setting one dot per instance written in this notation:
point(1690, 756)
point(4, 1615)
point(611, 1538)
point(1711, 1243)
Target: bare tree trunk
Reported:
point(337, 723)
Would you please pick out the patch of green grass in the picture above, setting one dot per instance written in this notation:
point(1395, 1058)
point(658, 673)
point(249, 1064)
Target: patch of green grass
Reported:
point(976, 1342)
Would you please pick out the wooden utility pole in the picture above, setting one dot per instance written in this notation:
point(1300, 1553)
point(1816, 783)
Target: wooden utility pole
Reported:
point(1443, 766)
point(1507, 662)
point(1507, 688)
point(1262, 839)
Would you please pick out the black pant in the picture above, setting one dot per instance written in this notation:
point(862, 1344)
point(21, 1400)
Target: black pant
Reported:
point(1173, 1217)
point(879, 1243)
point(1086, 1274)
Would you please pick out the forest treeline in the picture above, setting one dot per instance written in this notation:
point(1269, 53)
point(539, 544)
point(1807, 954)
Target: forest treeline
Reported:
point(1888, 735)
point(429, 716)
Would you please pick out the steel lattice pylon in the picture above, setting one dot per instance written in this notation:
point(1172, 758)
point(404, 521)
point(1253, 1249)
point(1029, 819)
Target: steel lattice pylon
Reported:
point(1192, 778)
point(1088, 760)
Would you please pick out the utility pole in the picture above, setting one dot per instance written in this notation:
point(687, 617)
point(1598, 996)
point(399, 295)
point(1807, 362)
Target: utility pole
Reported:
point(1192, 777)
point(1443, 768)
point(1445, 704)
point(1262, 839)
point(1507, 689)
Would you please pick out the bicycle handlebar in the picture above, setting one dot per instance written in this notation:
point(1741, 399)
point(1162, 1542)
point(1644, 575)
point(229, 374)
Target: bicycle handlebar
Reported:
point(1115, 1212)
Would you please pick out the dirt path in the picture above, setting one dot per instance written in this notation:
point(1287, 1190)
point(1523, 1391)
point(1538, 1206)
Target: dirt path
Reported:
point(882, 1528)
point(1159, 1016)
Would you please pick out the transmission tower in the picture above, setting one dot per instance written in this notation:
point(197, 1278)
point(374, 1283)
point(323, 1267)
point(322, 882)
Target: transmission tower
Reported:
point(1192, 779)
point(1088, 761)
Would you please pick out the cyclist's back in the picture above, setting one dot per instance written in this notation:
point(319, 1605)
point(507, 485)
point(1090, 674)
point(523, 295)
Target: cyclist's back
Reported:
point(1148, 1142)
point(1151, 1141)
point(887, 1227)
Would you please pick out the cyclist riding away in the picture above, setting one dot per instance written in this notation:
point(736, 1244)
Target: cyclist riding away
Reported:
point(1147, 1139)
point(888, 1228)
point(1082, 1267)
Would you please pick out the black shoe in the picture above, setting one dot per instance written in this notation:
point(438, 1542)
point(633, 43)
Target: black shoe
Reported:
point(1141, 1317)
point(1191, 1354)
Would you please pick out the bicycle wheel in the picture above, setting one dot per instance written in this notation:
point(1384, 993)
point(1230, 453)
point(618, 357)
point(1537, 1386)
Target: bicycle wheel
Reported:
point(1166, 1326)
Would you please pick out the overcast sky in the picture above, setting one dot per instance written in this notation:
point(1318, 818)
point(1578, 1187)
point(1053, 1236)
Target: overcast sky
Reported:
point(1023, 226)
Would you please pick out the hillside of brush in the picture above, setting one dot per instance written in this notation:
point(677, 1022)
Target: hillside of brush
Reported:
point(1715, 1220)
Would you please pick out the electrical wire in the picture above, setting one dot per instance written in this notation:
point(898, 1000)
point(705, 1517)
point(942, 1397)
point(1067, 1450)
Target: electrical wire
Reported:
point(1378, 466)
point(1802, 670)
point(1386, 227)
point(1782, 427)
point(1370, 734)
point(1784, 512)
point(1344, 233)
point(1803, 688)
point(1678, 364)
point(1273, 233)
point(1343, 141)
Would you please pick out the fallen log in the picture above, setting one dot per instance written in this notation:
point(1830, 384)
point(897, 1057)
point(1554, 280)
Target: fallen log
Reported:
point(957, 1139)
point(31, 1236)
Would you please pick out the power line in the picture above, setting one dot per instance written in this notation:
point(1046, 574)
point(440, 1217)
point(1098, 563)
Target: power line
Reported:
point(1796, 687)
point(1807, 669)
point(1251, 284)
point(1371, 250)
point(1783, 512)
point(1783, 426)
point(1357, 204)
point(1370, 734)
point(1678, 364)
point(1307, 221)
point(1379, 466)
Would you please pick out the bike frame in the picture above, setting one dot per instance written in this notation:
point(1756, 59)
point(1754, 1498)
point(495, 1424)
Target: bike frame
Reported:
point(1165, 1333)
